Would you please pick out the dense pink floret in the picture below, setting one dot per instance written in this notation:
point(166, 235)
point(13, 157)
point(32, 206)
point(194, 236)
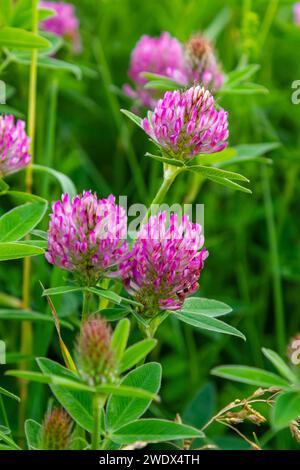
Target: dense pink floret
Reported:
point(14, 145)
point(164, 264)
point(186, 124)
point(86, 235)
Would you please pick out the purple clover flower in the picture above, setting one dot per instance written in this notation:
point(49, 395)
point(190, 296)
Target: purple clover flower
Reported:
point(185, 124)
point(86, 236)
point(64, 23)
point(164, 264)
point(14, 145)
point(164, 56)
point(297, 13)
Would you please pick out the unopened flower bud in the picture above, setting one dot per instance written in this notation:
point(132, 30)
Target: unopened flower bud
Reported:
point(95, 358)
point(56, 431)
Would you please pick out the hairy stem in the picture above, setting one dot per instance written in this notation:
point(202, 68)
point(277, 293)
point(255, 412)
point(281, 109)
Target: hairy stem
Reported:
point(98, 402)
point(170, 173)
point(86, 305)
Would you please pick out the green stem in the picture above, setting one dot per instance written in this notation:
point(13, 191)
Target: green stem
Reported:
point(267, 21)
point(86, 305)
point(170, 173)
point(26, 328)
point(50, 134)
point(98, 403)
point(275, 263)
point(4, 414)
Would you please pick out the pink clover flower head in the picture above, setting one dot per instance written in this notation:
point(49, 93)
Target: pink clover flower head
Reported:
point(64, 23)
point(164, 264)
point(187, 123)
point(164, 56)
point(87, 236)
point(14, 145)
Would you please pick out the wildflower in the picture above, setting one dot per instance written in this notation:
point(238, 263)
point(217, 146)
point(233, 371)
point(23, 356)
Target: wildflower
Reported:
point(186, 123)
point(202, 63)
point(164, 56)
point(64, 23)
point(14, 145)
point(56, 431)
point(297, 13)
point(86, 235)
point(94, 357)
point(164, 264)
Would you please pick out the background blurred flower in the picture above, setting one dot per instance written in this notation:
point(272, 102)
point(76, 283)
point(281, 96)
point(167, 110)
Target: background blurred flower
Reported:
point(202, 63)
point(14, 145)
point(86, 236)
point(186, 124)
point(297, 13)
point(95, 359)
point(164, 56)
point(56, 431)
point(64, 23)
point(164, 264)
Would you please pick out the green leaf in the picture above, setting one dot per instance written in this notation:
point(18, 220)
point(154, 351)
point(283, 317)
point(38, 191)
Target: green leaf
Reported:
point(112, 314)
point(286, 409)
point(18, 250)
point(136, 119)
point(5, 11)
point(120, 338)
point(168, 161)
point(203, 406)
point(106, 294)
point(214, 158)
point(280, 365)
point(72, 384)
point(65, 182)
point(209, 307)
point(17, 38)
point(251, 152)
point(244, 89)
point(251, 376)
point(154, 430)
point(135, 353)
point(241, 74)
point(230, 184)
point(40, 234)
point(205, 322)
point(19, 221)
point(218, 24)
point(3, 186)
point(4, 437)
point(210, 171)
point(5, 392)
point(121, 411)
point(61, 290)
point(18, 314)
point(49, 63)
point(162, 85)
point(125, 391)
point(77, 403)
point(32, 433)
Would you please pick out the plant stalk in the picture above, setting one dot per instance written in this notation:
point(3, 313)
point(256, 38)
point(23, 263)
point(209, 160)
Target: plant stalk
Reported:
point(170, 173)
point(26, 327)
point(98, 403)
point(86, 305)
